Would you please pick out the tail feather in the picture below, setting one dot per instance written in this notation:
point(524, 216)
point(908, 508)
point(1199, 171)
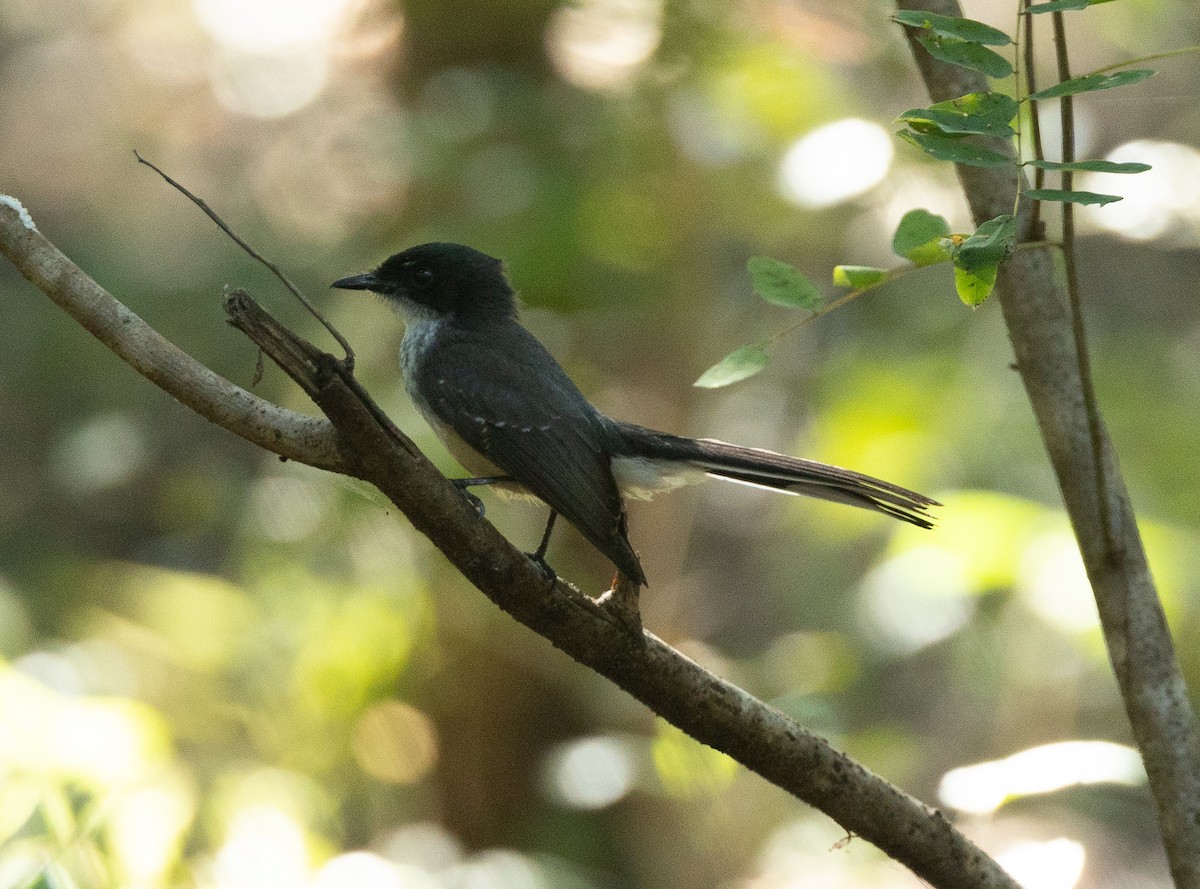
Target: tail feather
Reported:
point(793, 475)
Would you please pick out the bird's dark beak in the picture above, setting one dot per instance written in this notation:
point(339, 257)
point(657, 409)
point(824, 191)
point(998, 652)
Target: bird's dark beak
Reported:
point(365, 281)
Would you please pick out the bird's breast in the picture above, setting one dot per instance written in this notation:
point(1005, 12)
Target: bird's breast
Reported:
point(420, 337)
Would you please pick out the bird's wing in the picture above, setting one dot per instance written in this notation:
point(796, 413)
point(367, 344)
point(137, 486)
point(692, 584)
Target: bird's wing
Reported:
point(530, 420)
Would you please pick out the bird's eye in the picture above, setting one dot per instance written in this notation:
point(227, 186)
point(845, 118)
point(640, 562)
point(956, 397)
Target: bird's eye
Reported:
point(423, 277)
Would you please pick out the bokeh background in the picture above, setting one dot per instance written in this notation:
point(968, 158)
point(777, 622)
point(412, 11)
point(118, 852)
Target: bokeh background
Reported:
point(222, 671)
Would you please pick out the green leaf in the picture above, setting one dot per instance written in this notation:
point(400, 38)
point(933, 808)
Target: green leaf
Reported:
point(996, 107)
point(918, 238)
point(947, 148)
point(1091, 82)
point(973, 113)
point(932, 120)
point(858, 276)
point(739, 364)
point(779, 283)
point(988, 246)
point(1072, 197)
point(967, 30)
point(975, 286)
point(967, 55)
point(1091, 166)
point(977, 260)
point(932, 253)
point(1058, 6)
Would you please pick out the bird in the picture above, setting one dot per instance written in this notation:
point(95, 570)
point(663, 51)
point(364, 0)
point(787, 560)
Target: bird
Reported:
point(510, 414)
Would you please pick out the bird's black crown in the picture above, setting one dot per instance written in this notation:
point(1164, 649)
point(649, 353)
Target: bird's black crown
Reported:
point(450, 279)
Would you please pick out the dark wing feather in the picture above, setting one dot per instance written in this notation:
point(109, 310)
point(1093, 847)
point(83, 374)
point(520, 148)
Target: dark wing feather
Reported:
point(504, 395)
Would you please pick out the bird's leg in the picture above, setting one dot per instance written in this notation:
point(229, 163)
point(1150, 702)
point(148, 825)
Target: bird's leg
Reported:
point(539, 556)
point(463, 483)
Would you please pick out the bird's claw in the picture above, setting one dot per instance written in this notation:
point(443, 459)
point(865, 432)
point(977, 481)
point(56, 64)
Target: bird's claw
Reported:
point(539, 559)
point(473, 500)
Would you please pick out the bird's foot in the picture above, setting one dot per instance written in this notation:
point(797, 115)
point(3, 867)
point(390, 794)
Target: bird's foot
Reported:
point(539, 559)
point(471, 498)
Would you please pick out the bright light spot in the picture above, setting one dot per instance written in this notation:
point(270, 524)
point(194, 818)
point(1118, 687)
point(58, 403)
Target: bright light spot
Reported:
point(31, 709)
point(1162, 202)
point(106, 451)
point(146, 829)
point(395, 742)
point(423, 845)
point(101, 743)
point(351, 165)
point(265, 26)
point(361, 870)
point(53, 671)
point(591, 773)
point(274, 55)
point(835, 162)
point(108, 741)
point(1056, 864)
point(265, 849)
point(268, 86)
point(984, 787)
point(916, 599)
point(601, 44)
point(1052, 580)
point(497, 869)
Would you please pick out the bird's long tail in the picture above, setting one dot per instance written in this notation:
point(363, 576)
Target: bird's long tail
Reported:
point(792, 475)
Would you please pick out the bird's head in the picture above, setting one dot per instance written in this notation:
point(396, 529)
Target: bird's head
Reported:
point(441, 280)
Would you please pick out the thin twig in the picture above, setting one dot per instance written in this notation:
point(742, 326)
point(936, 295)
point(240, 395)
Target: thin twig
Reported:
point(1067, 117)
point(254, 254)
point(889, 276)
point(1141, 60)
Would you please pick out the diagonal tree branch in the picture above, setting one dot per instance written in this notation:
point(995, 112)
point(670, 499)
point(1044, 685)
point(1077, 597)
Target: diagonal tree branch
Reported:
point(1038, 316)
point(366, 446)
point(286, 433)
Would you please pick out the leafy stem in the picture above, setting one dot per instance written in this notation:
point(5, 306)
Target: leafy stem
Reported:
point(890, 275)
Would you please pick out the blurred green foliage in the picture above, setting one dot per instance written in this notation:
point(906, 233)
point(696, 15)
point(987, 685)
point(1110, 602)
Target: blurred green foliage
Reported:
point(223, 671)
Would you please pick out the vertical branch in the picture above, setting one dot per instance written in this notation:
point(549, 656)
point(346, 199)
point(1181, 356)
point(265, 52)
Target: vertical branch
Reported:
point(1067, 117)
point(1041, 325)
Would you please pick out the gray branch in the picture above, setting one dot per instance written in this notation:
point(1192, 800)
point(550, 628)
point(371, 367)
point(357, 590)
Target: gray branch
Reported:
point(1038, 318)
point(365, 445)
point(286, 433)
